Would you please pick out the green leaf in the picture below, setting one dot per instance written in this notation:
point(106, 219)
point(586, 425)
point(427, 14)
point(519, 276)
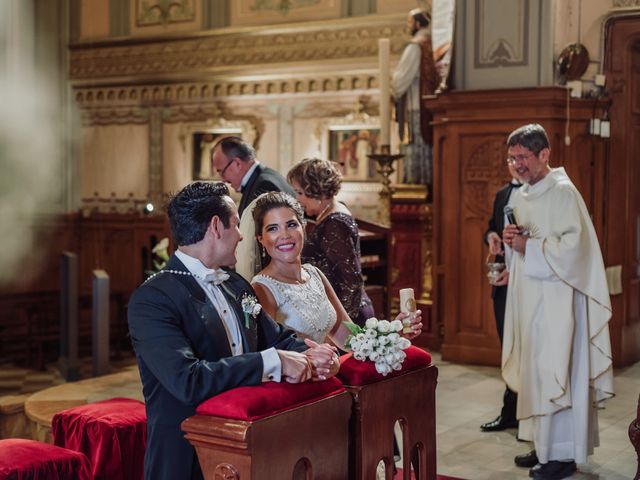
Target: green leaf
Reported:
point(353, 327)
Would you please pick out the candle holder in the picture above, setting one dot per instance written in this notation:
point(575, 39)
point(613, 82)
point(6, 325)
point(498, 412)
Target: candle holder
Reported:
point(385, 160)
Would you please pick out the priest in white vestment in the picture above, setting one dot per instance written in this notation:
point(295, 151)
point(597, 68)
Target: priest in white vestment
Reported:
point(556, 353)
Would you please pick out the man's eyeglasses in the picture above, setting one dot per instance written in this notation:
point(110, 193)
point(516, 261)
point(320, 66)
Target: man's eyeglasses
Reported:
point(522, 158)
point(221, 173)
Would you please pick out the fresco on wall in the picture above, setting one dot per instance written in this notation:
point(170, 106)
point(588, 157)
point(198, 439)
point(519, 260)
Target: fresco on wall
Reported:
point(349, 148)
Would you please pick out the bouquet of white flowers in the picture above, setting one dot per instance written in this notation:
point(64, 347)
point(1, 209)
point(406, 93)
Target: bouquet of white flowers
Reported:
point(380, 342)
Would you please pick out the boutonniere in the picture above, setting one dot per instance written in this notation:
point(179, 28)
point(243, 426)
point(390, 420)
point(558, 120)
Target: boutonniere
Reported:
point(250, 307)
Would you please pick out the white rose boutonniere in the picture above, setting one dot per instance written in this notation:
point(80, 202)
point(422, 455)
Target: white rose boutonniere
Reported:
point(250, 307)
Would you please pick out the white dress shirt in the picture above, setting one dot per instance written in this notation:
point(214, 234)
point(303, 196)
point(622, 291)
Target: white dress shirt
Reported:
point(272, 367)
point(247, 175)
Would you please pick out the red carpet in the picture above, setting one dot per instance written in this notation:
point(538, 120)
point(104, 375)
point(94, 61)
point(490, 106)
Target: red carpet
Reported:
point(398, 476)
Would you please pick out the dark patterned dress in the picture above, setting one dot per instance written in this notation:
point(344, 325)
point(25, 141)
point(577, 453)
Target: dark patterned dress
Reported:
point(334, 247)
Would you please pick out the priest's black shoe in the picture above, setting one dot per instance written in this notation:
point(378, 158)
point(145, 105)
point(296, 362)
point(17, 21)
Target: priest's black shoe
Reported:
point(526, 460)
point(499, 424)
point(553, 470)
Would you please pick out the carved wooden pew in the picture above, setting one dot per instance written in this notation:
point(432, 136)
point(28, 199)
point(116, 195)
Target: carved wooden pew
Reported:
point(406, 396)
point(273, 430)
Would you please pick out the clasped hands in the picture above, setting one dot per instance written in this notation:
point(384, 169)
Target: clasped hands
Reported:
point(512, 236)
point(317, 363)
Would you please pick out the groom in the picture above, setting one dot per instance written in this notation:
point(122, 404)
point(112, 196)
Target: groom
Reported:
point(196, 334)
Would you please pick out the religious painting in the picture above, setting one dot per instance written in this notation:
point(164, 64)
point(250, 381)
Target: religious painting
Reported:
point(203, 142)
point(349, 146)
point(197, 139)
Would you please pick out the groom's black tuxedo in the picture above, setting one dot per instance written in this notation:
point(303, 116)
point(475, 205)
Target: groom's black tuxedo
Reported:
point(184, 358)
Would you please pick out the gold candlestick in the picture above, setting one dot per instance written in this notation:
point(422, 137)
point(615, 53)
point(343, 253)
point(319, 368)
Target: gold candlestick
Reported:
point(385, 160)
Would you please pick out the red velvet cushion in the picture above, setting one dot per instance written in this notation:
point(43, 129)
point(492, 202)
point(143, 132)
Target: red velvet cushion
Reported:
point(356, 373)
point(27, 459)
point(112, 433)
point(252, 403)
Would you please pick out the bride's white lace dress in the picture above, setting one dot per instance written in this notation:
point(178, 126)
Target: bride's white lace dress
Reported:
point(303, 307)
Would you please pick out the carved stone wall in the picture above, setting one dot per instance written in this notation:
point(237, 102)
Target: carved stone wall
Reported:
point(269, 78)
point(338, 44)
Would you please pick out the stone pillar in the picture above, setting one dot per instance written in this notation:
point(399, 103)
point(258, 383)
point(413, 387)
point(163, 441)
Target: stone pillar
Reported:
point(100, 323)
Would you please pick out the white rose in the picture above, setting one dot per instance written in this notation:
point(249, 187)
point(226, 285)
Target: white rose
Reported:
point(359, 356)
point(384, 340)
point(404, 343)
point(397, 366)
point(393, 337)
point(384, 326)
point(256, 309)
point(373, 356)
point(371, 323)
point(382, 368)
point(361, 337)
point(371, 333)
point(396, 325)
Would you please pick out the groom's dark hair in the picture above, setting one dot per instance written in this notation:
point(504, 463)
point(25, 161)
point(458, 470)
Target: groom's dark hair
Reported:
point(192, 208)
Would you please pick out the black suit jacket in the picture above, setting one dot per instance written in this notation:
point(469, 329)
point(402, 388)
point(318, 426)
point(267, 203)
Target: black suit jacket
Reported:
point(496, 222)
point(184, 358)
point(262, 180)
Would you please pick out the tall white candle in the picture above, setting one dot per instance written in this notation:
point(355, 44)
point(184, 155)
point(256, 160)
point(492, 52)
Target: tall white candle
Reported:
point(385, 91)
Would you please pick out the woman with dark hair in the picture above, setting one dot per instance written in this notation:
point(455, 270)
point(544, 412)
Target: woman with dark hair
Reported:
point(295, 294)
point(334, 244)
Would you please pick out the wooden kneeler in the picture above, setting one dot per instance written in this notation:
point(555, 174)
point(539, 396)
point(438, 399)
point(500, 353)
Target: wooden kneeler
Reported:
point(406, 396)
point(274, 430)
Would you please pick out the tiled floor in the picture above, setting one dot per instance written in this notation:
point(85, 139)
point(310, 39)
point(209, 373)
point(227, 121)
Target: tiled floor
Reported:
point(467, 396)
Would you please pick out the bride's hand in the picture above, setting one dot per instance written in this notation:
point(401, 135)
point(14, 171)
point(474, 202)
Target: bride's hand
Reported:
point(324, 359)
point(415, 325)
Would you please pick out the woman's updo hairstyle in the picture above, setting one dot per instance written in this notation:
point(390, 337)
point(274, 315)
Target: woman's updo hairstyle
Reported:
point(317, 178)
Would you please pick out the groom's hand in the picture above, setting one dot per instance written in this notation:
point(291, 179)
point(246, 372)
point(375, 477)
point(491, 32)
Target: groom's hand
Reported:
point(296, 367)
point(324, 359)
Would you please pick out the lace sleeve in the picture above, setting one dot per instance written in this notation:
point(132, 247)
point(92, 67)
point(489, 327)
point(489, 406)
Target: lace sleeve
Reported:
point(342, 258)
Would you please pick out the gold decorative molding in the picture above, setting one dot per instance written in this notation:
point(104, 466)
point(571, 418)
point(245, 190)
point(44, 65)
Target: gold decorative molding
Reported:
point(626, 4)
point(203, 91)
point(236, 50)
point(163, 12)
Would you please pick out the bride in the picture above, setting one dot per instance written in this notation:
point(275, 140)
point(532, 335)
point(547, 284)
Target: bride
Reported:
point(296, 295)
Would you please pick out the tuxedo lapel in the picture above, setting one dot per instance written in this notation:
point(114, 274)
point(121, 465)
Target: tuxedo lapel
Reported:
point(233, 292)
point(207, 313)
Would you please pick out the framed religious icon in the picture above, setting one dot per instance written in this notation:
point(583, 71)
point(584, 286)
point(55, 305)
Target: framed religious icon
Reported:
point(198, 139)
point(349, 146)
point(203, 142)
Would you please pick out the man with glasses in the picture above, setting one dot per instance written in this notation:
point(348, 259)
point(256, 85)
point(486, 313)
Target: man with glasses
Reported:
point(235, 161)
point(556, 352)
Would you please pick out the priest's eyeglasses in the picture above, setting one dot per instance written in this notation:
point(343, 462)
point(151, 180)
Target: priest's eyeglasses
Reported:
point(522, 158)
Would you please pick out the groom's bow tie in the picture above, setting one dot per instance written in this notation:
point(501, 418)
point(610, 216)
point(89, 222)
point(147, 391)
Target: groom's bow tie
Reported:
point(216, 277)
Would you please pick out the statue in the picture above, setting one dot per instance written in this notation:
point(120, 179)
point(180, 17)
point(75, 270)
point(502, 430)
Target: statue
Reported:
point(414, 77)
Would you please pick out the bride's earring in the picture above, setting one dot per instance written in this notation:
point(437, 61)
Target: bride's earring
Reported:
point(263, 252)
